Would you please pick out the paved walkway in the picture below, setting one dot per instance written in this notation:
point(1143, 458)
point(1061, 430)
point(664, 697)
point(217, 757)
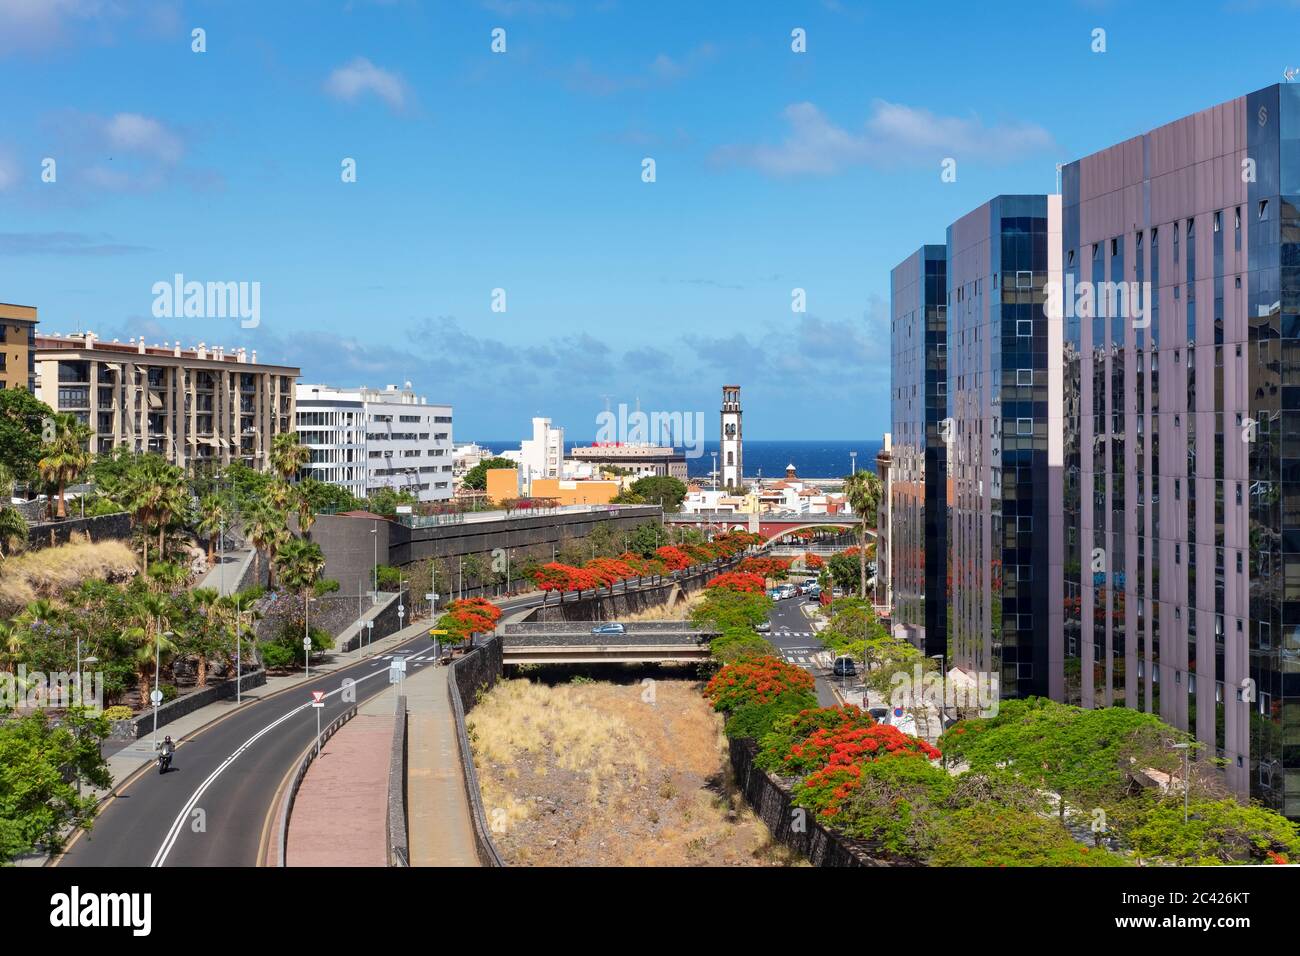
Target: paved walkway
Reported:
point(340, 814)
point(225, 578)
point(438, 818)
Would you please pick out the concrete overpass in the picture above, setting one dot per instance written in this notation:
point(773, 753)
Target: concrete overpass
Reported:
point(571, 642)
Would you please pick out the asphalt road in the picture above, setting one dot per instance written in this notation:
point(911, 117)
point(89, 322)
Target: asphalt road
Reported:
point(792, 635)
point(213, 807)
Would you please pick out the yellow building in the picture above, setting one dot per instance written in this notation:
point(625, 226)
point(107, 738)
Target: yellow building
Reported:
point(502, 483)
point(17, 346)
point(575, 492)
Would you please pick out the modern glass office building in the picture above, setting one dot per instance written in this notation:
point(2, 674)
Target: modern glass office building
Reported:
point(918, 477)
point(1182, 433)
point(1004, 455)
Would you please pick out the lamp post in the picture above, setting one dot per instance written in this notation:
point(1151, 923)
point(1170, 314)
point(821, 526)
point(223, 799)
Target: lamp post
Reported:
point(81, 700)
point(155, 696)
point(375, 593)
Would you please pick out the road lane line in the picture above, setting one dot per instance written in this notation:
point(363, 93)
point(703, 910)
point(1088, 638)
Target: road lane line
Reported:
point(178, 824)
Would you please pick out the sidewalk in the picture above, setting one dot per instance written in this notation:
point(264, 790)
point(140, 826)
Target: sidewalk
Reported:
point(438, 817)
point(225, 578)
point(340, 814)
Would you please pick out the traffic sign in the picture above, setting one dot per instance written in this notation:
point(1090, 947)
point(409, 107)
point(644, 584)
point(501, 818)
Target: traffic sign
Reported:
point(317, 696)
point(430, 596)
point(155, 697)
point(401, 609)
point(306, 643)
point(437, 631)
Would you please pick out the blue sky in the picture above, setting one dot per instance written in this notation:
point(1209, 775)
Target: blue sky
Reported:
point(523, 171)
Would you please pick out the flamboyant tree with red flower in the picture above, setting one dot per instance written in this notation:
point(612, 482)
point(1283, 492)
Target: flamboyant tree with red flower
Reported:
point(758, 680)
point(465, 618)
point(738, 581)
point(813, 562)
point(775, 568)
point(674, 559)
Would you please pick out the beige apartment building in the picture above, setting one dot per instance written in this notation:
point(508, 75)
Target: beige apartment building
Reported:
point(17, 336)
point(192, 406)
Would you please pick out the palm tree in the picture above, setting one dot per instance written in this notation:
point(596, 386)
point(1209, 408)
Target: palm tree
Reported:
point(11, 643)
point(206, 626)
point(287, 456)
point(265, 530)
point(168, 577)
point(149, 614)
point(862, 489)
point(212, 520)
point(64, 457)
point(154, 492)
point(300, 563)
point(306, 516)
point(13, 530)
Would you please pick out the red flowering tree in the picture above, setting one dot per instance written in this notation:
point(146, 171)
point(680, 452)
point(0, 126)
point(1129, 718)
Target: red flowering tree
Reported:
point(609, 571)
point(759, 680)
point(797, 728)
point(775, 568)
point(674, 559)
point(813, 562)
point(463, 619)
point(738, 581)
point(848, 745)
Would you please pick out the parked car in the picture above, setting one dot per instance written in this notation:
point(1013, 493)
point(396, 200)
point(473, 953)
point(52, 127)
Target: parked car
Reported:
point(774, 594)
point(814, 592)
point(612, 627)
point(844, 667)
point(788, 590)
point(878, 713)
point(763, 627)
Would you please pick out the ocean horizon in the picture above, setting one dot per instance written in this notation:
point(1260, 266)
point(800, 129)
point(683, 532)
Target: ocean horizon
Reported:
point(812, 458)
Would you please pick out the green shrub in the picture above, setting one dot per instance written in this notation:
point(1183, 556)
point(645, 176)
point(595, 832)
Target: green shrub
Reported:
point(325, 586)
point(276, 655)
point(169, 692)
point(389, 578)
point(737, 644)
point(755, 720)
point(119, 712)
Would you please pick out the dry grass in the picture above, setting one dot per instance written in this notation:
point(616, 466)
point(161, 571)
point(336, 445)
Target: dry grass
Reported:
point(680, 611)
point(596, 774)
point(49, 571)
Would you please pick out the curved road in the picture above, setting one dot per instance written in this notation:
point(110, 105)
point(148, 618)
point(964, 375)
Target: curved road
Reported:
point(214, 807)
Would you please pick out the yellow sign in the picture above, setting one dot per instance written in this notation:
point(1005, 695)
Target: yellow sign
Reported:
point(435, 631)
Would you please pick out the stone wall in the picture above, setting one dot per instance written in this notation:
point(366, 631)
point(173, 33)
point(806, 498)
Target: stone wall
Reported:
point(116, 526)
point(399, 851)
point(477, 670)
point(771, 802)
point(188, 703)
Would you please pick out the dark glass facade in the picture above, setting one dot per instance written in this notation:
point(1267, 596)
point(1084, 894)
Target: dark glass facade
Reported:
point(918, 485)
point(1000, 376)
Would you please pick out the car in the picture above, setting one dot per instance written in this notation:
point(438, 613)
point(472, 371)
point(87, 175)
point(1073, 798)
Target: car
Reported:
point(763, 627)
point(844, 667)
point(878, 714)
point(611, 627)
point(774, 594)
point(814, 592)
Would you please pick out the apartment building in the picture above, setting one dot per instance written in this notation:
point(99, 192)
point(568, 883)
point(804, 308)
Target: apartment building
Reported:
point(18, 346)
point(541, 456)
point(365, 439)
point(918, 496)
point(638, 460)
point(195, 407)
point(1003, 457)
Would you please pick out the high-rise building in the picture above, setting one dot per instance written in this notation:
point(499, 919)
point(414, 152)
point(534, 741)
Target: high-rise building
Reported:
point(731, 444)
point(366, 439)
point(192, 406)
point(884, 589)
point(1182, 400)
point(1003, 393)
point(918, 475)
point(18, 346)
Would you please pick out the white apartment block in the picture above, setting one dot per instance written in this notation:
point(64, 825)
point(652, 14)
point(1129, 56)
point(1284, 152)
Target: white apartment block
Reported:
point(542, 456)
point(365, 439)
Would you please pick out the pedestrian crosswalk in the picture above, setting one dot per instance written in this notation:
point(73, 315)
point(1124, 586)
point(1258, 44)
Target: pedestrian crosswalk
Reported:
point(807, 656)
point(781, 632)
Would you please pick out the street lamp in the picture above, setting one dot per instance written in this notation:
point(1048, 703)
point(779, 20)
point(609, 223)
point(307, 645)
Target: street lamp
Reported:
point(375, 593)
point(155, 696)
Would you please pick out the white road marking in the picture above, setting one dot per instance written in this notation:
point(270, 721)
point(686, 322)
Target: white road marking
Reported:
point(174, 833)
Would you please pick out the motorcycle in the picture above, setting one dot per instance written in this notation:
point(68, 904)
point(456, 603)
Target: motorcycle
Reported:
point(164, 761)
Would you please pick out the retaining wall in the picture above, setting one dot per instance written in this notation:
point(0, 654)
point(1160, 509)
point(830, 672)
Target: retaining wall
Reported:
point(189, 703)
point(479, 669)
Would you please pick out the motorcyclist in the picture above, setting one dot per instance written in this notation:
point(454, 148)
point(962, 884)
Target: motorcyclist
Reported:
point(167, 745)
point(165, 750)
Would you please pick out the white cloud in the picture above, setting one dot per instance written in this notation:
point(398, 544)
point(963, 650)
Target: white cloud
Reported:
point(893, 134)
point(133, 133)
point(25, 24)
point(351, 81)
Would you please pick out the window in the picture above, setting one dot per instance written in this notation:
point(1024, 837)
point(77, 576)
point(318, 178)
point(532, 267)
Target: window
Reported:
point(1024, 327)
point(1024, 279)
point(1263, 209)
point(1024, 426)
point(1024, 376)
point(1217, 216)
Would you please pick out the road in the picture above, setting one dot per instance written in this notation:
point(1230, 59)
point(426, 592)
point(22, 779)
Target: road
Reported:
point(793, 636)
point(214, 807)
